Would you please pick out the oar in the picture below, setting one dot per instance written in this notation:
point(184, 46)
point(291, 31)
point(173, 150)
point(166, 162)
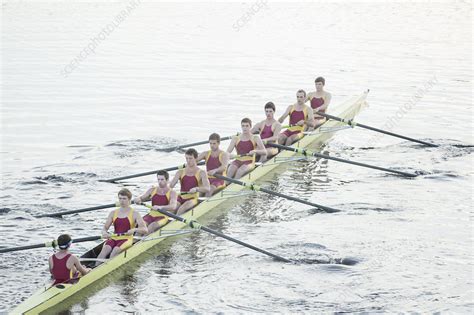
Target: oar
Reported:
point(352, 123)
point(169, 169)
point(324, 156)
point(171, 149)
point(196, 225)
point(275, 193)
point(49, 244)
point(59, 214)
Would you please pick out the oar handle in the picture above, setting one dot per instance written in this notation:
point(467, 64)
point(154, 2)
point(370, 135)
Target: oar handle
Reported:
point(168, 214)
point(236, 156)
point(187, 193)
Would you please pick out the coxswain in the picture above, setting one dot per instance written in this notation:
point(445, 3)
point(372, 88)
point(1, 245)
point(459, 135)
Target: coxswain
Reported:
point(193, 181)
point(301, 116)
point(162, 198)
point(319, 101)
point(247, 146)
point(126, 222)
point(216, 163)
point(269, 130)
point(64, 266)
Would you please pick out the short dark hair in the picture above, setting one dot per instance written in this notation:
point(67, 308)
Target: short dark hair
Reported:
point(270, 105)
point(125, 192)
point(301, 91)
point(192, 152)
point(246, 121)
point(163, 173)
point(320, 79)
point(64, 241)
point(215, 136)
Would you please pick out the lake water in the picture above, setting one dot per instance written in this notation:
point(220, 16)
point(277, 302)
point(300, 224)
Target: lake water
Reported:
point(90, 90)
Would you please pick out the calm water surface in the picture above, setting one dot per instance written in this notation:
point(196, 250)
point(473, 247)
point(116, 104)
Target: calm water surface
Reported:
point(173, 73)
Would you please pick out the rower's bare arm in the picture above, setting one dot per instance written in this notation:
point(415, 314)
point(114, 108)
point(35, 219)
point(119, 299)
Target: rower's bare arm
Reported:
point(231, 148)
point(175, 179)
point(173, 202)
point(223, 167)
point(311, 122)
point(144, 197)
point(206, 186)
point(261, 150)
point(256, 129)
point(285, 114)
point(225, 162)
point(50, 262)
point(83, 270)
point(232, 145)
point(327, 101)
point(141, 229)
point(276, 133)
point(108, 223)
point(201, 156)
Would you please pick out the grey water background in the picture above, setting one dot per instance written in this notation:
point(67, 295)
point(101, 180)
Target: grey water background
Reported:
point(90, 90)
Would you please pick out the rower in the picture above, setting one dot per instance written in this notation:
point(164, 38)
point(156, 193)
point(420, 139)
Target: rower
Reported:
point(301, 116)
point(269, 129)
point(162, 198)
point(319, 101)
point(193, 181)
point(126, 222)
point(216, 163)
point(64, 266)
point(247, 146)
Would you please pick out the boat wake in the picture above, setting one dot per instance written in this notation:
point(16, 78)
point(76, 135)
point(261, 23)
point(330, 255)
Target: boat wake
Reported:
point(73, 177)
point(347, 261)
point(366, 207)
point(442, 175)
point(34, 182)
point(145, 144)
point(314, 253)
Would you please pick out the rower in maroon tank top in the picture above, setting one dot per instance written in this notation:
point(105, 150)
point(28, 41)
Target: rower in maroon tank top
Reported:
point(126, 223)
point(316, 103)
point(192, 180)
point(64, 266)
point(301, 116)
point(269, 130)
point(162, 198)
point(319, 101)
point(216, 163)
point(247, 146)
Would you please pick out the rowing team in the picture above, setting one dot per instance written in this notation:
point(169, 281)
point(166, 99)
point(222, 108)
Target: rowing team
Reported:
point(251, 145)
